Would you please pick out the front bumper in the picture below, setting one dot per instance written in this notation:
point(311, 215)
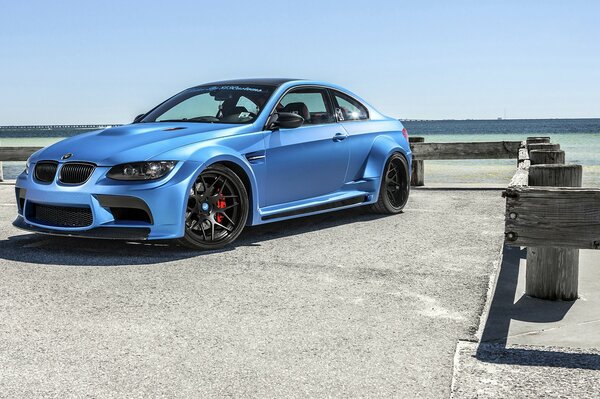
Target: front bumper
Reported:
point(113, 233)
point(143, 210)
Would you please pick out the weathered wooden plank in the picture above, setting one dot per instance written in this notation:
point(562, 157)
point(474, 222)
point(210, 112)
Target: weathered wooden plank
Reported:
point(16, 153)
point(543, 146)
point(538, 157)
point(552, 273)
point(523, 154)
point(553, 217)
point(556, 175)
point(537, 140)
point(471, 150)
point(521, 176)
point(417, 177)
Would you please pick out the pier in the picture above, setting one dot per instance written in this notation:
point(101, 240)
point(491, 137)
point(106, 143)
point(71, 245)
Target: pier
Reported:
point(47, 127)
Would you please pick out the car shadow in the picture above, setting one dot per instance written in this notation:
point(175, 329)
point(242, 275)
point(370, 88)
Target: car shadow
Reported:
point(71, 251)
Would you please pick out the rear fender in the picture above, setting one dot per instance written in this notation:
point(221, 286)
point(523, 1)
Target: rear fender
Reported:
point(383, 147)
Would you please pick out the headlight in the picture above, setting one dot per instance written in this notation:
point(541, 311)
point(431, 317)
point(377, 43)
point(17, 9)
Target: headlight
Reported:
point(27, 166)
point(141, 170)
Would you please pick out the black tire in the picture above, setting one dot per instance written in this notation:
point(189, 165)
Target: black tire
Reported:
point(395, 186)
point(217, 209)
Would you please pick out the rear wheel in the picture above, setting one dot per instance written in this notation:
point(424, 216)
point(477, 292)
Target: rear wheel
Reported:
point(395, 186)
point(217, 209)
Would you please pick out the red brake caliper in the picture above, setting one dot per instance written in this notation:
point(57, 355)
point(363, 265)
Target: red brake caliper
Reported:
point(221, 205)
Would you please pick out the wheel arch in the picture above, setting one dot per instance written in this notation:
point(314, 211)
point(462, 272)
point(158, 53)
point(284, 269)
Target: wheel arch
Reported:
point(383, 147)
point(238, 164)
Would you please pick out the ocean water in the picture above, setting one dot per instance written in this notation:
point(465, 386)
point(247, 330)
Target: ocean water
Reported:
point(579, 138)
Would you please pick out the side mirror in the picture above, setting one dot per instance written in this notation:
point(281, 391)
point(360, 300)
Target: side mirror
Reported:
point(286, 120)
point(138, 118)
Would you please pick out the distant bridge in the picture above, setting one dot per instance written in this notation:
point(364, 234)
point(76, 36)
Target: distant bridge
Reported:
point(32, 127)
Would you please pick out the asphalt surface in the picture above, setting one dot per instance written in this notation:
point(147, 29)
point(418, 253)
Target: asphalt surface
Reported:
point(345, 304)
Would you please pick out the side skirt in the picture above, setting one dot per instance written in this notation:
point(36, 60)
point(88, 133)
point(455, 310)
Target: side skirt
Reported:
point(319, 208)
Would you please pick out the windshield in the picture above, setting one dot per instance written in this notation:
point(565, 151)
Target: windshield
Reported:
point(213, 104)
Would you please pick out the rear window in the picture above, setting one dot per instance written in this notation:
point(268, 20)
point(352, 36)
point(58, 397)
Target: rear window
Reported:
point(349, 109)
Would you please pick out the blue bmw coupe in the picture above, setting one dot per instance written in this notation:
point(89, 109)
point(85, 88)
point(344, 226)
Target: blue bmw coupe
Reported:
point(215, 158)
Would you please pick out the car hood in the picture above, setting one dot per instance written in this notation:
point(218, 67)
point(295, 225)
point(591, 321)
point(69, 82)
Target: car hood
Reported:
point(135, 142)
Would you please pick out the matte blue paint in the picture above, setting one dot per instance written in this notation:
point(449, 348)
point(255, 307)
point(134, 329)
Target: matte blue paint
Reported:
point(287, 169)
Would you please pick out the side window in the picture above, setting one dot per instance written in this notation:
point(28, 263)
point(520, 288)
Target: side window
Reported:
point(348, 109)
point(310, 103)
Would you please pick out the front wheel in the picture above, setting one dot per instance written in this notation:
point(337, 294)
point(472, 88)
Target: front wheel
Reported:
point(217, 209)
point(395, 186)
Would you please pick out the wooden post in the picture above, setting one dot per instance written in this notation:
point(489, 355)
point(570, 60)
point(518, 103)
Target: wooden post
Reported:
point(537, 140)
point(555, 175)
point(553, 273)
point(543, 146)
point(538, 157)
point(418, 167)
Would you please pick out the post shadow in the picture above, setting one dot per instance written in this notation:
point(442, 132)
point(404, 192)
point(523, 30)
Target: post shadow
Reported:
point(492, 347)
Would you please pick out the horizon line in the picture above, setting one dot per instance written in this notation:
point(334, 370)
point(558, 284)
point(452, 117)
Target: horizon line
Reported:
point(93, 125)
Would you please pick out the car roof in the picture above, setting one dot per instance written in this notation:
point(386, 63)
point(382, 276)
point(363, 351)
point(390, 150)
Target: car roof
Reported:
point(254, 81)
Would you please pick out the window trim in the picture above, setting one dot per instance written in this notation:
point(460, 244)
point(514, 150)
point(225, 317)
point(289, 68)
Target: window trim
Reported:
point(328, 101)
point(334, 101)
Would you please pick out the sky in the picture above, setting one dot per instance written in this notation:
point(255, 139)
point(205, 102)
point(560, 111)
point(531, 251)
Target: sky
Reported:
point(69, 62)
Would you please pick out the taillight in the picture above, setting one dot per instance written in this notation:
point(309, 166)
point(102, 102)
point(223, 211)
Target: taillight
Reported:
point(405, 133)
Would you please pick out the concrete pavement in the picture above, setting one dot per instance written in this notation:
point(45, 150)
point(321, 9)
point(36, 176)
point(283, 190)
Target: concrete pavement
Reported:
point(340, 305)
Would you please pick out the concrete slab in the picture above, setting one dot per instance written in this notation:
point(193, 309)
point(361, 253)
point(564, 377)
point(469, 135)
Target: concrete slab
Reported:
point(517, 319)
point(530, 348)
point(516, 371)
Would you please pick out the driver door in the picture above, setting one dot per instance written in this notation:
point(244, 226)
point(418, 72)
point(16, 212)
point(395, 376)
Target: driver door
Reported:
point(308, 161)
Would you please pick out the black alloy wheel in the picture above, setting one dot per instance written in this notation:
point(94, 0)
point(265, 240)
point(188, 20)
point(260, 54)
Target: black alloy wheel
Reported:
point(217, 209)
point(395, 186)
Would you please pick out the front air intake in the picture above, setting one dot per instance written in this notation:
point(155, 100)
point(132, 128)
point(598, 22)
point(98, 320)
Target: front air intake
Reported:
point(60, 216)
point(76, 172)
point(45, 171)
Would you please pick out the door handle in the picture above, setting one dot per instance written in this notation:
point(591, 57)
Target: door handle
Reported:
point(340, 136)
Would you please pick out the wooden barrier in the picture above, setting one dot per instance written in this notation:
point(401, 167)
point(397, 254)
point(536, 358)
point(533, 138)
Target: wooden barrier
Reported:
point(553, 222)
point(15, 154)
point(546, 156)
point(417, 177)
point(543, 146)
point(537, 140)
point(470, 150)
point(553, 272)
